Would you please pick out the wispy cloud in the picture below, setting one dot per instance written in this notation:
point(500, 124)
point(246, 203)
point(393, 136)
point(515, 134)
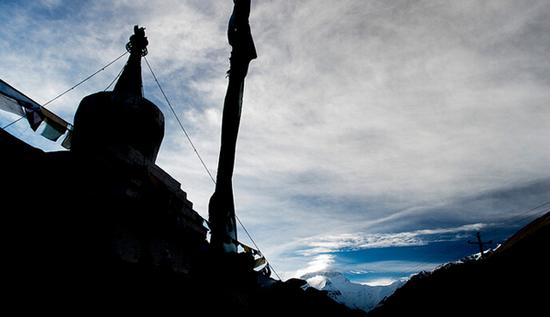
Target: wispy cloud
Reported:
point(319, 263)
point(358, 241)
point(379, 282)
point(391, 266)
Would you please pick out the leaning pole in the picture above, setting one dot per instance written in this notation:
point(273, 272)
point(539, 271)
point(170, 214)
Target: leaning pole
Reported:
point(221, 208)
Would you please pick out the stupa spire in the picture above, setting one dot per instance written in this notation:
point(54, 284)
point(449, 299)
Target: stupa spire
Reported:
point(130, 83)
point(110, 121)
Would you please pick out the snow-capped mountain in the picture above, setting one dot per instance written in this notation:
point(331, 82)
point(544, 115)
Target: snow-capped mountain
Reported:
point(353, 295)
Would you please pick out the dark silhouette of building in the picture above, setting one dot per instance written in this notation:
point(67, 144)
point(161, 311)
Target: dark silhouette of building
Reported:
point(102, 215)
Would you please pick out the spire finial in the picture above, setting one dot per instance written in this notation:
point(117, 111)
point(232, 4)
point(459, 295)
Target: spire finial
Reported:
point(129, 83)
point(138, 42)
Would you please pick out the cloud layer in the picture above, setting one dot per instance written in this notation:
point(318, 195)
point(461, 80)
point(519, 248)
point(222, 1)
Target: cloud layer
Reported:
point(359, 116)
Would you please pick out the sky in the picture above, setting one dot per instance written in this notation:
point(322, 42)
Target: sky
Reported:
point(377, 137)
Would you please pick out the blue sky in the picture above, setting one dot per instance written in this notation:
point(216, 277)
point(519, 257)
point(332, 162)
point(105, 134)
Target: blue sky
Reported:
point(377, 137)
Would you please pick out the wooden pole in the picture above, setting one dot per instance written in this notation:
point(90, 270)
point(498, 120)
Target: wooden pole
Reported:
point(480, 243)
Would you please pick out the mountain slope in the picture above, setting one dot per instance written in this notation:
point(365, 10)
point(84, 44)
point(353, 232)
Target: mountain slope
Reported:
point(356, 296)
point(509, 279)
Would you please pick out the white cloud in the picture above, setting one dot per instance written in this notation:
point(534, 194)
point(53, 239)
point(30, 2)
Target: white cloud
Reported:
point(319, 263)
point(317, 282)
point(392, 267)
point(357, 241)
point(380, 282)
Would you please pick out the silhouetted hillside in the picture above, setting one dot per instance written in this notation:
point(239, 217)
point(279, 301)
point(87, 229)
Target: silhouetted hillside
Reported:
point(511, 279)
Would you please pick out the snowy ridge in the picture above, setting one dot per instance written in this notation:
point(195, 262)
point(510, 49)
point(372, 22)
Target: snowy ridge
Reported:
point(342, 290)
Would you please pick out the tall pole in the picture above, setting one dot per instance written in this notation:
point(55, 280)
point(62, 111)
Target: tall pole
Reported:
point(221, 208)
point(480, 243)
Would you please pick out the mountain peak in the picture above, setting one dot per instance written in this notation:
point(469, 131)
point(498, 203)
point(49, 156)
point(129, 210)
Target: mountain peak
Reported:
point(353, 295)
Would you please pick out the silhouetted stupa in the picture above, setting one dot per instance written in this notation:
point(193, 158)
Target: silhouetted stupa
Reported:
point(122, 117)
